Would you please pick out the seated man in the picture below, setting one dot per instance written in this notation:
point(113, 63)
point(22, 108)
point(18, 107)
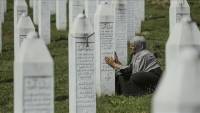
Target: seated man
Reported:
point(141, 75)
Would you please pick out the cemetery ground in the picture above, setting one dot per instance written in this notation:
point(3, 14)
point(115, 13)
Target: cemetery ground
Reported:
point(154, 28)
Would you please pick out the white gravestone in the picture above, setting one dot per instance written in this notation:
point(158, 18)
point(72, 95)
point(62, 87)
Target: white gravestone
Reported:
point(120, 28)
point(1, 11)
point(61, 14)
point(33, 78)
point(35, 11)
point(5, 5)
point(52, 7)
point(24, 26)
point(20, 7)
point(1, 40)
point(104, 29)
point(131, 19)
point(90, 9)
point(82, 90)
point(142, 9)
point(181, 93)
point(75, 8)
point(185, 34)
point(138, 20)
point(177, 10)
point(31, 3)
point(44, 21)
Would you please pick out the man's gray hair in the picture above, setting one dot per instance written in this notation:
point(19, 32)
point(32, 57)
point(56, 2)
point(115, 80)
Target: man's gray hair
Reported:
point(139, 41)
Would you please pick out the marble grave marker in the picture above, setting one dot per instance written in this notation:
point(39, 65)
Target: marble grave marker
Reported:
point(82, 90)
point(104, 29)
point(120, 30)
point(33, 77)
point(61, 14)
point(44, 21)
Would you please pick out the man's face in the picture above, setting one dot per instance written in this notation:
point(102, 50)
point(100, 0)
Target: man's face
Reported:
point(133, 48)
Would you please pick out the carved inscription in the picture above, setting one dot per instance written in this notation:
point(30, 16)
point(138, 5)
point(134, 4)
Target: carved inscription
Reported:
point(38, 94)
point(85, 82)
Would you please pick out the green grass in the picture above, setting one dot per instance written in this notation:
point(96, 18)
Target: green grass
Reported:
point(155, 29)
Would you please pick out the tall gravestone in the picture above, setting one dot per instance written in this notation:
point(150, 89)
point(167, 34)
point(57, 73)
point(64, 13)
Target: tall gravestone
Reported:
point(31, 3)
point(142, 9)
point(104, 29)
point(53, 6)
point(75, 8)
point(90, 9)
point(61, 14)
point(44, 21)
point(178, 9)
point(138, 20)
point(131, 19)
point(181, 93)
point(5, 5)
point(120, 28)
point(24, 26)
point(82, 90)
point(36, 11)
point(20, 7)
point(1, 40)
point(1, 11)
point(185, 34)
point(33, 78)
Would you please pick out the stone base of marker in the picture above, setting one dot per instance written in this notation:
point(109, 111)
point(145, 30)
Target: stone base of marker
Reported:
point(33, 78)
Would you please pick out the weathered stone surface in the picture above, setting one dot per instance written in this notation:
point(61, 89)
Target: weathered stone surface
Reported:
point(104, 33)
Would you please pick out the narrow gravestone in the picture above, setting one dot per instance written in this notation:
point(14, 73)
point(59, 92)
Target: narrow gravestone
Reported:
point(131, 19)
point(1, 11)
point(31, 3)
point(52, 7)
point(75, 8)
point(20, 7)
point(33, 78)
point(142, 9)
point(120, 29)
point(1, 40)
point(178, 9)
point(24, 26)
point(61, 14)
point(137, 14)
point(82, 90)
point(181, 93)
point(90, 9)
point(185, 34)
point(104, 29)
point(36, 10)
point(44, 20)
point(5, 5)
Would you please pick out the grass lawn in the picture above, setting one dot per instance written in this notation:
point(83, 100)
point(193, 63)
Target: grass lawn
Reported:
point(155, 29)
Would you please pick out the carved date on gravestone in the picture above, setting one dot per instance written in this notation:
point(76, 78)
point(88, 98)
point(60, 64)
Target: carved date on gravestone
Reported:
point(85, 72)
point(37, 94)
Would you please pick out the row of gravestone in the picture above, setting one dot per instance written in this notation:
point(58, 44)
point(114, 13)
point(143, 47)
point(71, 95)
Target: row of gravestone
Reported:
point(3, 9)
point(96, 32)
point(178, 90)
point(33, 66)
